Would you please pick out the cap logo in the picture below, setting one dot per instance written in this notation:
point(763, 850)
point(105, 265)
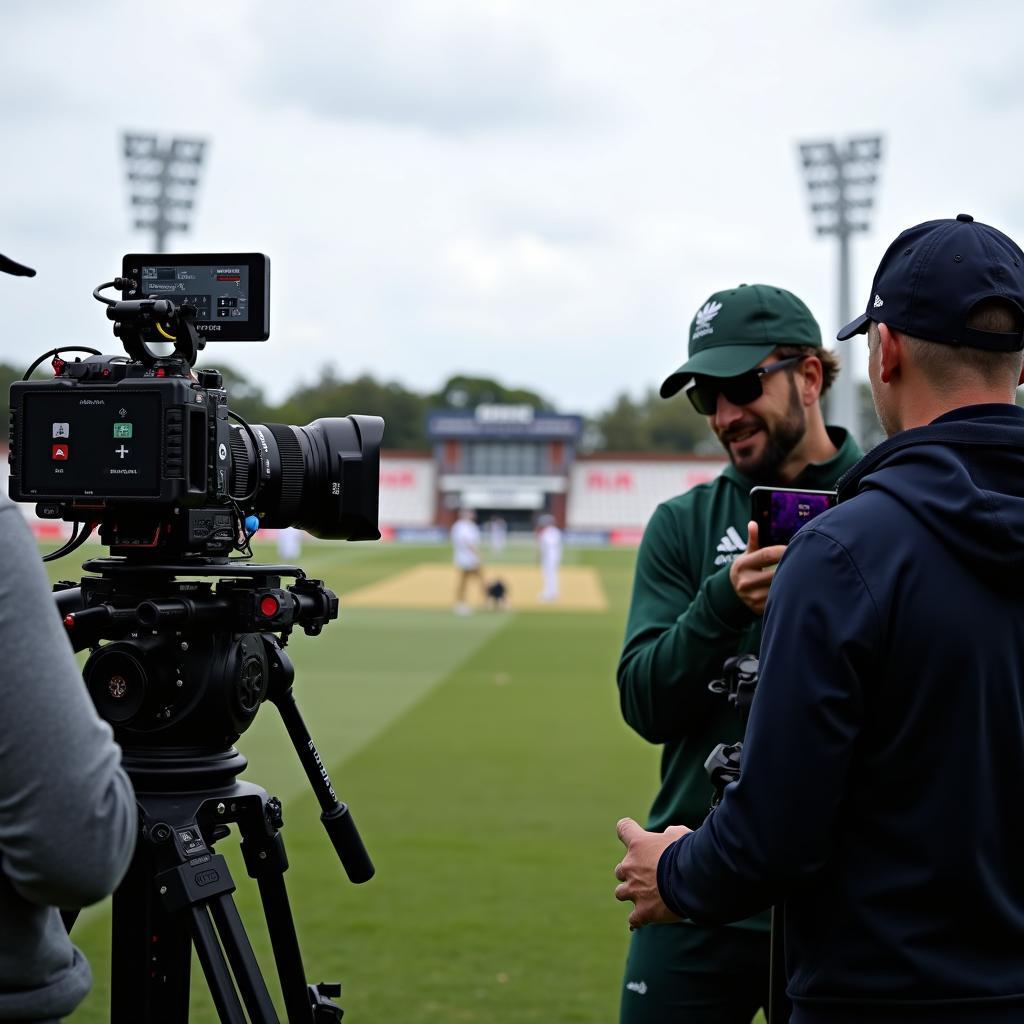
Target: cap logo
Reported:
point(702, 321)
point(878, 301)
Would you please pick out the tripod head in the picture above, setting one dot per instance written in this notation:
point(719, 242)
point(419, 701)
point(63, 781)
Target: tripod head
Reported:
point(188, 665)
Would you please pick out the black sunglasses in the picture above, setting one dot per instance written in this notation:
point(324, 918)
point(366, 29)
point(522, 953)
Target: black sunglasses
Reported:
point(742, 389)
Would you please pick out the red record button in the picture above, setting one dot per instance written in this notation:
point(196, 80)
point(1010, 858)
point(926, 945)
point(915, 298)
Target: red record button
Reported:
point(60, 453)
point(269, 607)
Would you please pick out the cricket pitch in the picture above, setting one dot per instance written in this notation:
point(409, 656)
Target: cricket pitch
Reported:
point(433, 586)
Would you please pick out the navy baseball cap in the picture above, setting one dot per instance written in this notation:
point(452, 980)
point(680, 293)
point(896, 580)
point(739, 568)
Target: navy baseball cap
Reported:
point(935, 273)
point(8, 266)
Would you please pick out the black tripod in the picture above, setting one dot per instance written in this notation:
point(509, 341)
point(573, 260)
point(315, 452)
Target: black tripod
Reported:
point(196, 670)
point(738, 683)
point(177, 894)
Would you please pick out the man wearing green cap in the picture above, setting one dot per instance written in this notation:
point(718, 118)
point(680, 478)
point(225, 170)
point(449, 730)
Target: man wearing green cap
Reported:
point(756, 370)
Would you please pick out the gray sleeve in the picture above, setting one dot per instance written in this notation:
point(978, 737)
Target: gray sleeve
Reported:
point(68, 818)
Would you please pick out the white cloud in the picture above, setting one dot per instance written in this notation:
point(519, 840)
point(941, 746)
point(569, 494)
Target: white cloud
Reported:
point(541, 192)
point(449, 67)
point(517, 266)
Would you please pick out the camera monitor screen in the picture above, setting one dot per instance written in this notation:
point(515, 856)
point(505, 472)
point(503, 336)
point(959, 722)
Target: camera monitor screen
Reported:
point(230, 292)
point(77, 443)
point(779, 511)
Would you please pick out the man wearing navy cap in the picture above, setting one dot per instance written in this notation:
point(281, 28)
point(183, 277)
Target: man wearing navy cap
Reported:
point(880, 793)
point(756, 370)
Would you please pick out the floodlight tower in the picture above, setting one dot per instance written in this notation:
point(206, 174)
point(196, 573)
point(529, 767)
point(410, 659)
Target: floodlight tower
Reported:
point(163, 177)
point(840, 180)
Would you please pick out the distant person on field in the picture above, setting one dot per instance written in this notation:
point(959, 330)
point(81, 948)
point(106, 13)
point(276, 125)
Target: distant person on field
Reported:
point(497, 533)
point(549, 549)
point(289, 544)
point(466, 555)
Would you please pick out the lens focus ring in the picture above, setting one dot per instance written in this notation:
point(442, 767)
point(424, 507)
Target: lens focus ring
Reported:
point(241, 470)
point(293, 470)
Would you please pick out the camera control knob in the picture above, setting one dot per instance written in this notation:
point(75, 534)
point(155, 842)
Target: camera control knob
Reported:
point(209, 378)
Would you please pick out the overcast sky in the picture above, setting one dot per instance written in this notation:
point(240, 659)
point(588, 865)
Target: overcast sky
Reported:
point(543, 192)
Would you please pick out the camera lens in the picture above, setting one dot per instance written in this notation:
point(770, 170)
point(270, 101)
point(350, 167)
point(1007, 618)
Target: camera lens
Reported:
point(323, 478)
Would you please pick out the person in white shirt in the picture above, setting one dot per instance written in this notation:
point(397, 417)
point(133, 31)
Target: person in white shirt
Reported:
point(497, 530)
point(289, 544)
point(465, 538)
point(549, 545)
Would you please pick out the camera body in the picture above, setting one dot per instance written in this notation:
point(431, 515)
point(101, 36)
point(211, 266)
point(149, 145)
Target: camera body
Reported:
point(143, 446)
point(110, 438)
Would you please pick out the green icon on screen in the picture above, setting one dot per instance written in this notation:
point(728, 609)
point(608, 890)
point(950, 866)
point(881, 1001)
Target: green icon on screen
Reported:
point(122, 430)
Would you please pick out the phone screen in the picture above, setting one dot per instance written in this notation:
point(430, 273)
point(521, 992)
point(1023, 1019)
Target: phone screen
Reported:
point(780, 511)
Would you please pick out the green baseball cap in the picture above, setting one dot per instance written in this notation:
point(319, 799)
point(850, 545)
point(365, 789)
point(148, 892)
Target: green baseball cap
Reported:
point(735, 329)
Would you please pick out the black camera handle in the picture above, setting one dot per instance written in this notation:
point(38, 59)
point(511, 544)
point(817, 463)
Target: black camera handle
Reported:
point(139, 321)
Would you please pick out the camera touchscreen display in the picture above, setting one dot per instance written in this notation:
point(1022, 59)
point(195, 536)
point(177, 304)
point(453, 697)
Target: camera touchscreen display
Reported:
point(791, 509)
point(97, 443)
point(216, 293)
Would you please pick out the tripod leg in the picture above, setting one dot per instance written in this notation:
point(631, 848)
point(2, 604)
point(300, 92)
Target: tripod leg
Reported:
point(243, 961)
point(150, 952)
point(196, 891)
point(287, 955)
point(225, 998)
point(263, 851)
point(779, 1007)
point(266, 861)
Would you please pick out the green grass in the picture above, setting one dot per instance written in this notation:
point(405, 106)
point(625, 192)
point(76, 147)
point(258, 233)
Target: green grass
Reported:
point(486, 764)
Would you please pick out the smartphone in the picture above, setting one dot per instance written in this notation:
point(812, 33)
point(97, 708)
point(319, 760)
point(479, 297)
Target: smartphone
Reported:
point(780, 511)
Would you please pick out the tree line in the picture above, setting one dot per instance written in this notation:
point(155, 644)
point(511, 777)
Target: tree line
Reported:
point(647, 424)
point(644, 424)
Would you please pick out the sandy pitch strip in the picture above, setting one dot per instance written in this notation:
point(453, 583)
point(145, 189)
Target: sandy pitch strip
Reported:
point(433, 586)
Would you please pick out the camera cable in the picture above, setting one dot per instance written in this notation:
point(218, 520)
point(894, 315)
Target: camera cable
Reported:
point(76, 540)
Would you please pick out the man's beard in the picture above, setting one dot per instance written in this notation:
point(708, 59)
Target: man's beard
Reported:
point(779, 442)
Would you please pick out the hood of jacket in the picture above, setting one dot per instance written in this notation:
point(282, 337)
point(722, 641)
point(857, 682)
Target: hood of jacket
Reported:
point(962, 478)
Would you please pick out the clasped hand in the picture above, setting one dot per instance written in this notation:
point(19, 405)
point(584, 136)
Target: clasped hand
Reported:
point(637, 872)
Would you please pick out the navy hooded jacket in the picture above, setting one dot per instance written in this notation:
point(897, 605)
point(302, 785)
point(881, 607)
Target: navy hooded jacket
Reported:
point(882, 791)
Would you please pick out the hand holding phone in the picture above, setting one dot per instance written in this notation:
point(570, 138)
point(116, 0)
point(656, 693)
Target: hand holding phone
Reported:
point(751, 573)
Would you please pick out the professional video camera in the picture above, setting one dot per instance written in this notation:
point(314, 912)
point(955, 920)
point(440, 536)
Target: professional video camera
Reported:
point(141, 447)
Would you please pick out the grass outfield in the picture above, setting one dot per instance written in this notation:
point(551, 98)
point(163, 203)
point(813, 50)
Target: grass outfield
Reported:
point(486, 765)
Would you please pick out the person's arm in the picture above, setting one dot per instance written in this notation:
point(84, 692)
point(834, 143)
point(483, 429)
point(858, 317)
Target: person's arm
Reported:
point(679, 632)
point(775, 826)
point(68, 817)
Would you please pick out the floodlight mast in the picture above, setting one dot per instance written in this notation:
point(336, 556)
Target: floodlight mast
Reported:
point(840, 182)
point(163, 177)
